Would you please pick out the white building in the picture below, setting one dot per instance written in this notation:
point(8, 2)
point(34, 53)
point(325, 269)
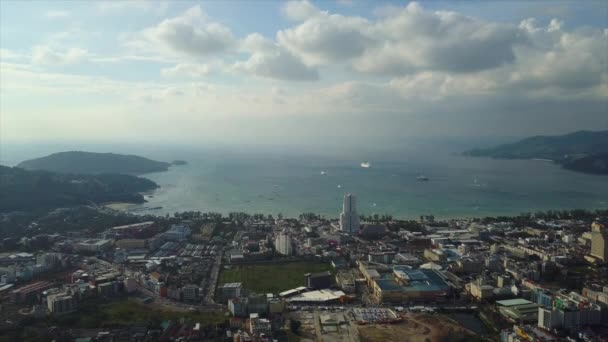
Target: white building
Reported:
point(283, 244)
point(349, 219)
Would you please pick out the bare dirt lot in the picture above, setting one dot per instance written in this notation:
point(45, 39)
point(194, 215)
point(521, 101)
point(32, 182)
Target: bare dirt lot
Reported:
point(415, 328)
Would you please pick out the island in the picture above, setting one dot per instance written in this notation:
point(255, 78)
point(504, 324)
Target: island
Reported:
point(80, 162)
point(34, 190)
point(582, 151)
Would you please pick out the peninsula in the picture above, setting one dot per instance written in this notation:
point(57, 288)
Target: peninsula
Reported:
point(79, 162)
point(582, 151)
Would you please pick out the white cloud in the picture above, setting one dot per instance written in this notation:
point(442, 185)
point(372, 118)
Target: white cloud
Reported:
point(191, 34)
point(49, 56)
point(191, 70)
point(300, 10)
point(148, 6)
point(270, 60)
point(57, 14)
point(325, 38)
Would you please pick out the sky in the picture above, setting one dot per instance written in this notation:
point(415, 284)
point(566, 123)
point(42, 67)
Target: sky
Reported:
point(300, 71)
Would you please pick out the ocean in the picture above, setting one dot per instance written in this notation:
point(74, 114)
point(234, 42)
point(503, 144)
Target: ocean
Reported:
point(290, 181)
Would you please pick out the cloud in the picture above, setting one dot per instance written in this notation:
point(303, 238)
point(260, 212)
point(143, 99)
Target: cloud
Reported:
point(191, 70)
point(270, 60)
point(49, 56)
point(191, 34)
point(299, 10)
point(127, 6)
point(57, 14)
point(324, 38)
point(405, 39)
point(172, 92)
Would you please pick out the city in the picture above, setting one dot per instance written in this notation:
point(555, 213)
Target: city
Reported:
point(355, 278)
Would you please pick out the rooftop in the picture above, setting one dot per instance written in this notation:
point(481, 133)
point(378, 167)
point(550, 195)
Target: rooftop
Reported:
point(421, 280)
point(513, 302)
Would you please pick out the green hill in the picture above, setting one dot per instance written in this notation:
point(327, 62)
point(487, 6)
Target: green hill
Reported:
point(549, 147)
point(595, 163)
point(27, 190)
point(582, 151)
point(94, 163)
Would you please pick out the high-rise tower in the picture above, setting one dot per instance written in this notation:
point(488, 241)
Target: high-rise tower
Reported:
point(349, 219)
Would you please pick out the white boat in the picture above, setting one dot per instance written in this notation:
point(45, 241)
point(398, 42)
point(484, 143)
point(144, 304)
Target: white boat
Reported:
point(323, 173)
point(366, 165)
point(422, 178)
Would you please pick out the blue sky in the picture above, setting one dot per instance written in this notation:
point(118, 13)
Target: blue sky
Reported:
point(270, 70)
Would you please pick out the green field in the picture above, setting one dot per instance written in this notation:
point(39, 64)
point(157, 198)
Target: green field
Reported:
point(271, 278)
point(131, 312)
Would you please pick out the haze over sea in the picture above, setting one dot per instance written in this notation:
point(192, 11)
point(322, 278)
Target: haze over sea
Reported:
point(270, 179)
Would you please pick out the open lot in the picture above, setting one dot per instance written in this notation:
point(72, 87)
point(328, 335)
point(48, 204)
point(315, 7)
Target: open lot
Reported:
point(275, 278)
point(416, 328)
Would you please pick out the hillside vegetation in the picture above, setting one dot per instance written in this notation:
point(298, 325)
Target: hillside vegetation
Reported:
point(27, 190)
point(582, 151)
point(94, 163)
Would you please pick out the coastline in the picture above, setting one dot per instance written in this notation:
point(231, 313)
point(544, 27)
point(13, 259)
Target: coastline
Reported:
point(119, 206)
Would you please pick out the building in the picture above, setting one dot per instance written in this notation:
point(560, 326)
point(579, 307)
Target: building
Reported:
point(283, 244)
point(237, 307)
point(317, 281)
point(569, 312)
point(406, 285)
point(29, 293)
point(481, 291)
point(257, 303)
point(349, 219)
point(385, 257)
point(92, 245)
point(177, 232)
point(230, 290)
point(599, 241)
point(59, 302)
point(132, 227)
point(258, 326)
point(131, 243)
point(189, 293)
point(518, 310)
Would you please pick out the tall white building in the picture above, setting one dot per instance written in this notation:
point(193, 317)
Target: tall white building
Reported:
point(283, 244)
point(349, 219)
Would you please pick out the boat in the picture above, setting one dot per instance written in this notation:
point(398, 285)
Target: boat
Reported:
point(323, 173)
point(339, 186)
point(366, 165)
point(422, 178)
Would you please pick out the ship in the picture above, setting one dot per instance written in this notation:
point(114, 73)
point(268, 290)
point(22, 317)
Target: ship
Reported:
point(366, 165)
point(422, 178)
point(323, 173)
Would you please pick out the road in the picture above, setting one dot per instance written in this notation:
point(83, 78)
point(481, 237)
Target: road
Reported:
point(212, 282)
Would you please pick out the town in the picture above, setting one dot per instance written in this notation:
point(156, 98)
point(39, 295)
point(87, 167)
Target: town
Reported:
point(247, 277)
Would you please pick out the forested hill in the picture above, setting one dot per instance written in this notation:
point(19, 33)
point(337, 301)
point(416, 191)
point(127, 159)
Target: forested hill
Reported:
point(549, 147)
point(78, 162)
point(29, 190)
point(582, 151)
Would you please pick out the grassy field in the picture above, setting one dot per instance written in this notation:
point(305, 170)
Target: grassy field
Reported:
point(131, 312)
point(271, 278)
